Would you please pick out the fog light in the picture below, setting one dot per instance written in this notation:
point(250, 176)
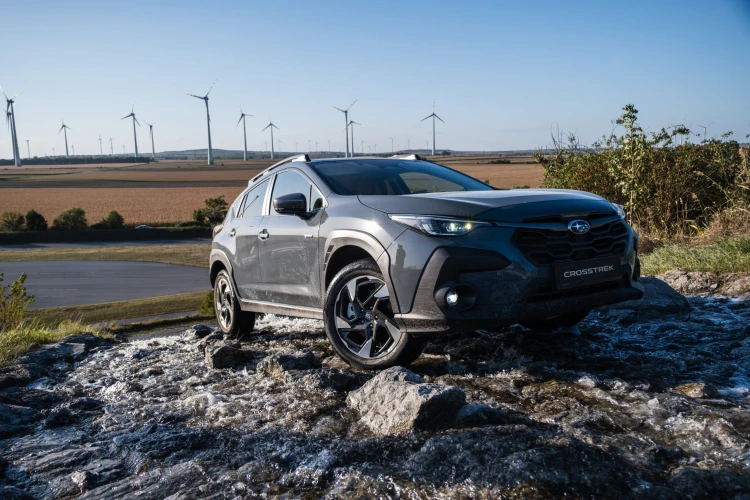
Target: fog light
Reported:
point(451, 298)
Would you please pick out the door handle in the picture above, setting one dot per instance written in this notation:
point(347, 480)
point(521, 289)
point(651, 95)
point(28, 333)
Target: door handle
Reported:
point(232, 232)
point(263, 234)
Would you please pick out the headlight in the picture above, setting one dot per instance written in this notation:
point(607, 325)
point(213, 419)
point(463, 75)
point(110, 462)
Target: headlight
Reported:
point(438, 226)
point(620, 210)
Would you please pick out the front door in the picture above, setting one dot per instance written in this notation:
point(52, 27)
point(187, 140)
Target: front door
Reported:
point(247, 226)
point(289, 260)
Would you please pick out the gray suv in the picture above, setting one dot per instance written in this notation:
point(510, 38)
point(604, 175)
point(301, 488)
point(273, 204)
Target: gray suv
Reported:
point(389, 250)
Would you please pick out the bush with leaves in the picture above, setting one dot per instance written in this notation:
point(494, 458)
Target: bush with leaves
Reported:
point(666, 188)
point(213, 213)
point(13, 303)
point(113, 220)
point(35, 221)
point(12, 221)
point(72, 218)
point(207, 306)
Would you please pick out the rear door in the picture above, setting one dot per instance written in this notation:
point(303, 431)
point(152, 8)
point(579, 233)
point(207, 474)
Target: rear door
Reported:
point(289, 260)
point(246, 226)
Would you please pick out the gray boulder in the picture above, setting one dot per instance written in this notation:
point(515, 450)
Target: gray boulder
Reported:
point(396, 401)
point(200, 331)
point(276, 364)
point(477, 414)
point(658, 298)
point(212, 338)
point(226, 356)
point(697, 390)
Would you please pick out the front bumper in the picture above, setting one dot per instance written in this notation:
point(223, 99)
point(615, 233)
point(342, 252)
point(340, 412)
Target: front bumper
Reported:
point(507, 291)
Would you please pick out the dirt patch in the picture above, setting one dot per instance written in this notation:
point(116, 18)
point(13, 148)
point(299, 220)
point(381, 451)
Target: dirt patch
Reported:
point(138, 205)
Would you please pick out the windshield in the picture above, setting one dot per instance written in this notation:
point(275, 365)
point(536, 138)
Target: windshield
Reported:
point(393, 177)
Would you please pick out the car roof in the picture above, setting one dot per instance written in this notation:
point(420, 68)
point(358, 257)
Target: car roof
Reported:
point(305, 160)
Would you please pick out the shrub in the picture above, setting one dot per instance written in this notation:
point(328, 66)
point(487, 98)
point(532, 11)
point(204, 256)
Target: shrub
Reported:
point(207, 306)
point(13, 303)
point(72, 218)
point(112, 220)
point(35, 221)
point(12, 221)
point(213, 213)
point(667, 189)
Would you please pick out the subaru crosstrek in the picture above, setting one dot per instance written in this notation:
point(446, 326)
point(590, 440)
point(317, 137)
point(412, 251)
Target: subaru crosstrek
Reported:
point(389, 250)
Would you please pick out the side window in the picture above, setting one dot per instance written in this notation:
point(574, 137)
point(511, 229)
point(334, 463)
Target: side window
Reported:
point(290, 182)
point(254, 201)
point(236, 209)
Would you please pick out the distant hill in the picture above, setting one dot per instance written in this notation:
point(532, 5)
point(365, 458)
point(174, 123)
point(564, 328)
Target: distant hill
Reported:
point(228, 154)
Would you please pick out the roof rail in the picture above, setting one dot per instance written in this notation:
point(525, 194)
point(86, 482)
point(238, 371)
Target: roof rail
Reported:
point(302, 157)
point(412, 157)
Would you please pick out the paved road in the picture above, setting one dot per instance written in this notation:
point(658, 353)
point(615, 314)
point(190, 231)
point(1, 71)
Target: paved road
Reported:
point(67, 283)
point(85, 244)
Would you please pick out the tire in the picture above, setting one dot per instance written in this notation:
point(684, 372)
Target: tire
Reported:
point(233, 321)
point(359, 320)
point(562, 321)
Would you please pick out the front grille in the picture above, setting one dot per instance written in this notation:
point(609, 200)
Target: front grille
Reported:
point(545, 247)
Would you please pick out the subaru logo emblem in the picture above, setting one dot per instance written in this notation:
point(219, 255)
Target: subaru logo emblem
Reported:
point(579, 226)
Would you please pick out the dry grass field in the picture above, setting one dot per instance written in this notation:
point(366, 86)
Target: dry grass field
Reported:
point(169, 191)
point(138, 205)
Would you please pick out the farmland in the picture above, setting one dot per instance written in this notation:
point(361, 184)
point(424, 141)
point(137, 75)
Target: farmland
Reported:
point(168, 191)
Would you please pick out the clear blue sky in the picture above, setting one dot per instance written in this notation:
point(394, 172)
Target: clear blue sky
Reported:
point(502, 73)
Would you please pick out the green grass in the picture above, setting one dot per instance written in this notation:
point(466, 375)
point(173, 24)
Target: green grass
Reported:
point(186, 255)
point(113, 311)
point(18, 340)
point(723, 256)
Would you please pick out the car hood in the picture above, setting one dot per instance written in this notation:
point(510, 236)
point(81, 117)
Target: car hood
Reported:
point(512, 205)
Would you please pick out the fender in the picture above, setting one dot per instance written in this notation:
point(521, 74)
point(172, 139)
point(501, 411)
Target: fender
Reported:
point(339, 238)
point(221, 256)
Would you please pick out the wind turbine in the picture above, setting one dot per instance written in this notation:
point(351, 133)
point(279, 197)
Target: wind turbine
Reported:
point(391, 138)
point(73, 147)
point(346, 121)
point(278, 142)
point(309, 147)
point(151, 132)
point(64, 129)
point(271, 126)
point(111, 147)
point(101, 151)
point(433, 116)
point(352, 123)
point(10, 117)
point(208, 122)
point(135, 137)
point(705, 130)
point(28, 148)
point(244, 129)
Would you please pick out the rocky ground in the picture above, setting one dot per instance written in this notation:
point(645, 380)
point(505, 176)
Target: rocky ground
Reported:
point(645, 400)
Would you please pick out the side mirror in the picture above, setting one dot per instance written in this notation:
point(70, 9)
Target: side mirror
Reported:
point(291, 204)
